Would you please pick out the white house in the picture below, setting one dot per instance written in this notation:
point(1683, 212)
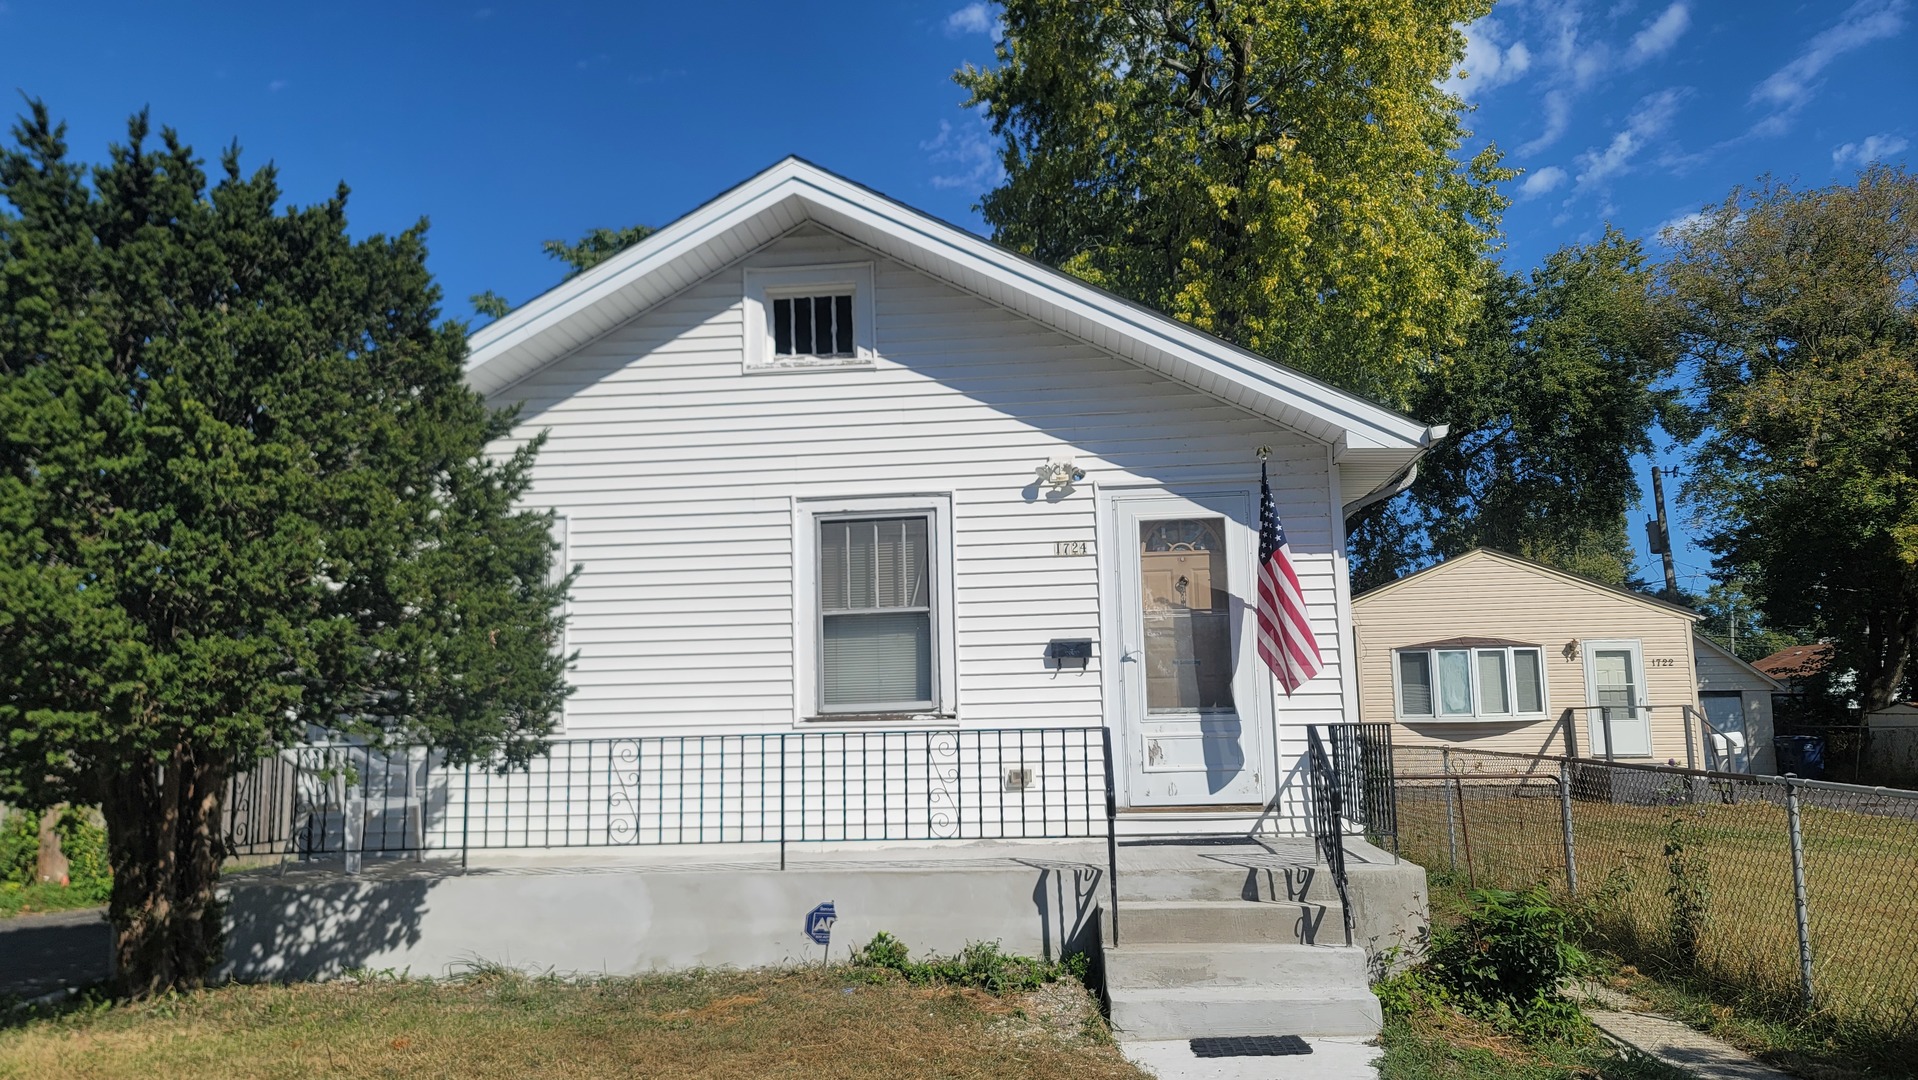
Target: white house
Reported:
point(827, 464)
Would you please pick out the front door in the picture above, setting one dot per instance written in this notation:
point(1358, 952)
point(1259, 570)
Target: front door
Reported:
point(1615, 682)
point(1189, 679)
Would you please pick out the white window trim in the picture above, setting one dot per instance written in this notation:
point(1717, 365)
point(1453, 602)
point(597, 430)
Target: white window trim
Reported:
point(807, 709)
point(1477, 715)
point(765, 284)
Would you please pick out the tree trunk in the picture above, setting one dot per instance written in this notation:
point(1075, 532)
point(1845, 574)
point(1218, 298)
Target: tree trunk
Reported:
point(163, 838)
point(52, 863)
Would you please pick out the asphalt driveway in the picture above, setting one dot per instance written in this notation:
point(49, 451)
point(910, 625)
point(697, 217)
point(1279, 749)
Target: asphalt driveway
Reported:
point(42, 953)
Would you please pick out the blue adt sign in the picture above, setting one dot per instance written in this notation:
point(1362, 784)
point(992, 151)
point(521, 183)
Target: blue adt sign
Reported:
point(819, 923)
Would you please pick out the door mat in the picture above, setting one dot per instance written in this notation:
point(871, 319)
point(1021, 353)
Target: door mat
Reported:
point(1250, 1046)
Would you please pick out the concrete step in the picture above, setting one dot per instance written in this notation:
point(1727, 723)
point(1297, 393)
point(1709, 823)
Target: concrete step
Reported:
point(1274, 881)
point(1164, 966)
point(1198, 1011)
point(1230, 923)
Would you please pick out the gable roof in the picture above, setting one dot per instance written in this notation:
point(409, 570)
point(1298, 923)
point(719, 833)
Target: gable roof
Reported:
point(1733, 657)
point(1477, 555)
point(1370, 439)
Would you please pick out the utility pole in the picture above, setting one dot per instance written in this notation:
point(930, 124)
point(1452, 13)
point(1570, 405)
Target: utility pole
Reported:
point(1659, 534)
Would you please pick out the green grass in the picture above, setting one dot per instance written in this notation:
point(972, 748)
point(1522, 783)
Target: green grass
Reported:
point(32, 899)
point(837, 1023)
point(1861, 881)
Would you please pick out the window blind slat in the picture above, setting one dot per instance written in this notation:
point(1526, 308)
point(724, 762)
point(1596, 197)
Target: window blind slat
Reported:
point(1415, 683)
point(883, 658)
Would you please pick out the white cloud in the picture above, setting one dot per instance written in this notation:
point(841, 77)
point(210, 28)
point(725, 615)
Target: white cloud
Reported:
point(974, 18)
point(1659, 35)
point(1672, 230)
point(1557, 107)
point(966, 154)
point(1543, 182)
point(1488, 64)
point(1789, 88)
point(276, 86)
point(1651, 117)
point(1867, 150)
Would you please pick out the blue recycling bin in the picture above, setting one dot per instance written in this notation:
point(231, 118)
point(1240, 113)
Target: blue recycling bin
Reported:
point(1801, 755)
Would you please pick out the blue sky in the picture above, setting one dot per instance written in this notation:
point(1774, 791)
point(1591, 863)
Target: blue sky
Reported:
point(511, 123)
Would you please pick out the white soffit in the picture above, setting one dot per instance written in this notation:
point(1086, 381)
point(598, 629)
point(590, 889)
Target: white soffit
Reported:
point(763, 208)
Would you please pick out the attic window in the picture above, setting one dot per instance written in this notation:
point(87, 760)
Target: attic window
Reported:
point(813, 326)
point(805, 318)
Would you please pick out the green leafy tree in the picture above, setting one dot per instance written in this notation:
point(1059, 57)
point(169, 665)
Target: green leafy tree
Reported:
point(1799, 310)
point(581, 255)
point(1553, 395)
point(1281, 173)
point(245, 493)
point(595, 247)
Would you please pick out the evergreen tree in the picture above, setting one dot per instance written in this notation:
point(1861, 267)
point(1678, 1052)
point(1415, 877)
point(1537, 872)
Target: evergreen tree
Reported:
point(245, 493)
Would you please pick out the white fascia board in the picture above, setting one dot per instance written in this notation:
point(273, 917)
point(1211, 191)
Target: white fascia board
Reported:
point(1191, 356)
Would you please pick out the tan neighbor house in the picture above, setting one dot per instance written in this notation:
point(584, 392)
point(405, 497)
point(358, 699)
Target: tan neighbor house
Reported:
point(1492, 652)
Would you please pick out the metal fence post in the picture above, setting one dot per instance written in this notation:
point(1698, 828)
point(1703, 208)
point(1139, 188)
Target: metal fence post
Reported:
point(1565, 816)
point(1451, 830)
point(1798, 889)
point(466, 809)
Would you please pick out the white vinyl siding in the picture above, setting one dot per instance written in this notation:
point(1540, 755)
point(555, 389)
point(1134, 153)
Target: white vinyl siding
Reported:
point(683, 483)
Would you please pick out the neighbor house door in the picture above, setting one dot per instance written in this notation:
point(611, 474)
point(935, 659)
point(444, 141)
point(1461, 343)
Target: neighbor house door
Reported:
point(1190, 680)
point(1615, 682)
point(1725, 711)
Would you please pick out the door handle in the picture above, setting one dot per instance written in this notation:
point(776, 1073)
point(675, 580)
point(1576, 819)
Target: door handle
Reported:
point(1129, 656)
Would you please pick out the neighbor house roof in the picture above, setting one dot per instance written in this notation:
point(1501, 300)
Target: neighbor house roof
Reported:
point(1373, 444)
point(1488, 554)
point(1797, 662)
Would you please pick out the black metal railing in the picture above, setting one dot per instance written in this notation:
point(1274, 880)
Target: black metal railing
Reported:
point(1362, 761)
point(1015, 783)
point(1328, 818)
point(352, 800)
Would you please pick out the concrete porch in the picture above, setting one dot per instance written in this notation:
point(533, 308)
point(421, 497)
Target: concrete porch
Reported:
point(1215, 935)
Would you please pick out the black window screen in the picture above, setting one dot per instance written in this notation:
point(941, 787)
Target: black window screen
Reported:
point(813, 326)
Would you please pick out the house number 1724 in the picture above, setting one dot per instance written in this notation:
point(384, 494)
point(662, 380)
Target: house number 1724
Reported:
point(1069, 547)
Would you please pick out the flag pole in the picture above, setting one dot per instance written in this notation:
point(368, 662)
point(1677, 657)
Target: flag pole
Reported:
point(1276, 806)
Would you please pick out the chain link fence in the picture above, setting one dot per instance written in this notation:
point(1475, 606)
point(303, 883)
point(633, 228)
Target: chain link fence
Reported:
point(1794, 894)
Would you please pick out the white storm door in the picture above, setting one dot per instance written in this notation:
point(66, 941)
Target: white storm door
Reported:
point(1615, 682)
point(1190, 677)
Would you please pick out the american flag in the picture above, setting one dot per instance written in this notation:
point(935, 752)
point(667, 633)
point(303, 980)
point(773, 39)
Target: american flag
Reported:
point(1285, 636)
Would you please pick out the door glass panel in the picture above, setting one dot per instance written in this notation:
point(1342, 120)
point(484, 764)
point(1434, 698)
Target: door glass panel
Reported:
point(1612, 671)
point(1186, 615)
point(1455, 683)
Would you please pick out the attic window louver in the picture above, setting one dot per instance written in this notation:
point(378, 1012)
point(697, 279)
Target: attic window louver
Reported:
point(813, 326)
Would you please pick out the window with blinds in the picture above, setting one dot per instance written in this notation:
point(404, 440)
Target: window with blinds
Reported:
point(1470, 683)
point(813, 326)
point(875, 609)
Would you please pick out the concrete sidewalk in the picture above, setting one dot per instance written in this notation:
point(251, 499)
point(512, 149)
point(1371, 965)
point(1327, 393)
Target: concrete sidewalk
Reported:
point(1330, 1059)
point(1664, 1039)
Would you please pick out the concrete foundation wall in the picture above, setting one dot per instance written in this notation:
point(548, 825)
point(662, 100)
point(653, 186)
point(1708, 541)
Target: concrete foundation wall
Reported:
point(627, 921)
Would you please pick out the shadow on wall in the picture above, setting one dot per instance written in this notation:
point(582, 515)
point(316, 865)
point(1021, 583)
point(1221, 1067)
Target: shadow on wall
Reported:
point(319, 928)
point(1067, 899)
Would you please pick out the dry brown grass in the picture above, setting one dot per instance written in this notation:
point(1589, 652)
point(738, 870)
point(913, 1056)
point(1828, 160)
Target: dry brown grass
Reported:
point(716, 1024)
point(1861, 883)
